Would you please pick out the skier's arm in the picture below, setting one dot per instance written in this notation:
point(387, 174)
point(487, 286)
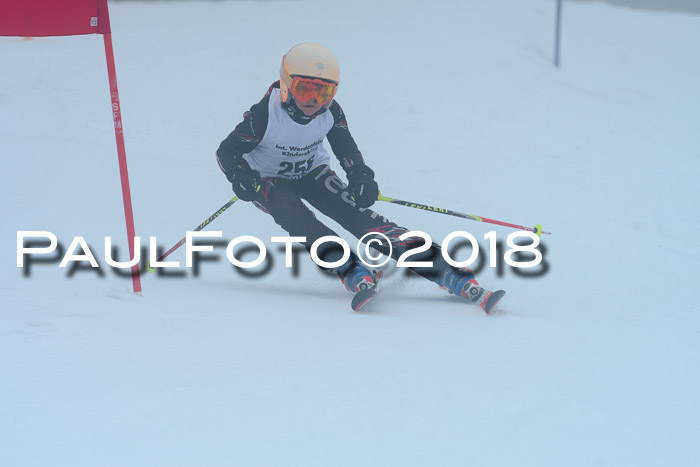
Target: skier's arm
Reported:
point(342, 142)
point(244, 138)
point(361, 185)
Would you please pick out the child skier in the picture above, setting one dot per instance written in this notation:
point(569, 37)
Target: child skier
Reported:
point(276, 158)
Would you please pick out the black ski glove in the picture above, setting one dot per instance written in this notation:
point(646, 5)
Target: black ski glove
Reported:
point(362, 188)
point(246, 181)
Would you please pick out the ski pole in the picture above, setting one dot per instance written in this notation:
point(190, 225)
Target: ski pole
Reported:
point(537, 229)
point(199, 227)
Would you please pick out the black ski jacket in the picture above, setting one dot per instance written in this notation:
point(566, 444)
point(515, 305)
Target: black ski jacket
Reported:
point(247, 134)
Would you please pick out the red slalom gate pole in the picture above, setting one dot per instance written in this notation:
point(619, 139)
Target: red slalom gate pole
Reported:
point(105, 30)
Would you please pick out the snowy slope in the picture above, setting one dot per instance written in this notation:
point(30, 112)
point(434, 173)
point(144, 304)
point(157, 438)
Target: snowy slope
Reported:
point(454, 104)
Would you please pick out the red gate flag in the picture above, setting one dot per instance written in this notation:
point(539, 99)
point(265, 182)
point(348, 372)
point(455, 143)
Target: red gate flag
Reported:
point(32, 18)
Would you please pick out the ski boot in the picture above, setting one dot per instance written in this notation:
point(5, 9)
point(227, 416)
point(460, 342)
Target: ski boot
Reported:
point(359, 280)
point(355, 276)
point(461, 282)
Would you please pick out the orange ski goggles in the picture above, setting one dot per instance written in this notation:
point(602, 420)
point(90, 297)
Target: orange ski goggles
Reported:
point(304, 89)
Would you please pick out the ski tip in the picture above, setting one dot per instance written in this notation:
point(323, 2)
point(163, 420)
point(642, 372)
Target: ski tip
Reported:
point(362, 298)
point(493, 300)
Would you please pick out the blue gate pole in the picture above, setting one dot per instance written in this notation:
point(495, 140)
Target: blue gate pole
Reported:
point(557, 35)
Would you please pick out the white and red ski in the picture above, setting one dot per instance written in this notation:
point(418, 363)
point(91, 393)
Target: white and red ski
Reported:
point(363, 297)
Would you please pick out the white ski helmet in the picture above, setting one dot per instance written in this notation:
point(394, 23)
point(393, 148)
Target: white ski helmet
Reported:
point(308, 60)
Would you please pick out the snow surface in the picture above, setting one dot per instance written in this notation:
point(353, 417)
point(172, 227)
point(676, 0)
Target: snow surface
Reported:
point(454, 104)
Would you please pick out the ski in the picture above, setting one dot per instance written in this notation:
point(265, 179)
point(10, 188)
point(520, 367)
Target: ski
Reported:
point(477, 295)
point(363, 297)
point(491, 300)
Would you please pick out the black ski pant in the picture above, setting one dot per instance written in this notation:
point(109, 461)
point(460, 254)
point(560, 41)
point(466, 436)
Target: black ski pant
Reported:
point(325, 191)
